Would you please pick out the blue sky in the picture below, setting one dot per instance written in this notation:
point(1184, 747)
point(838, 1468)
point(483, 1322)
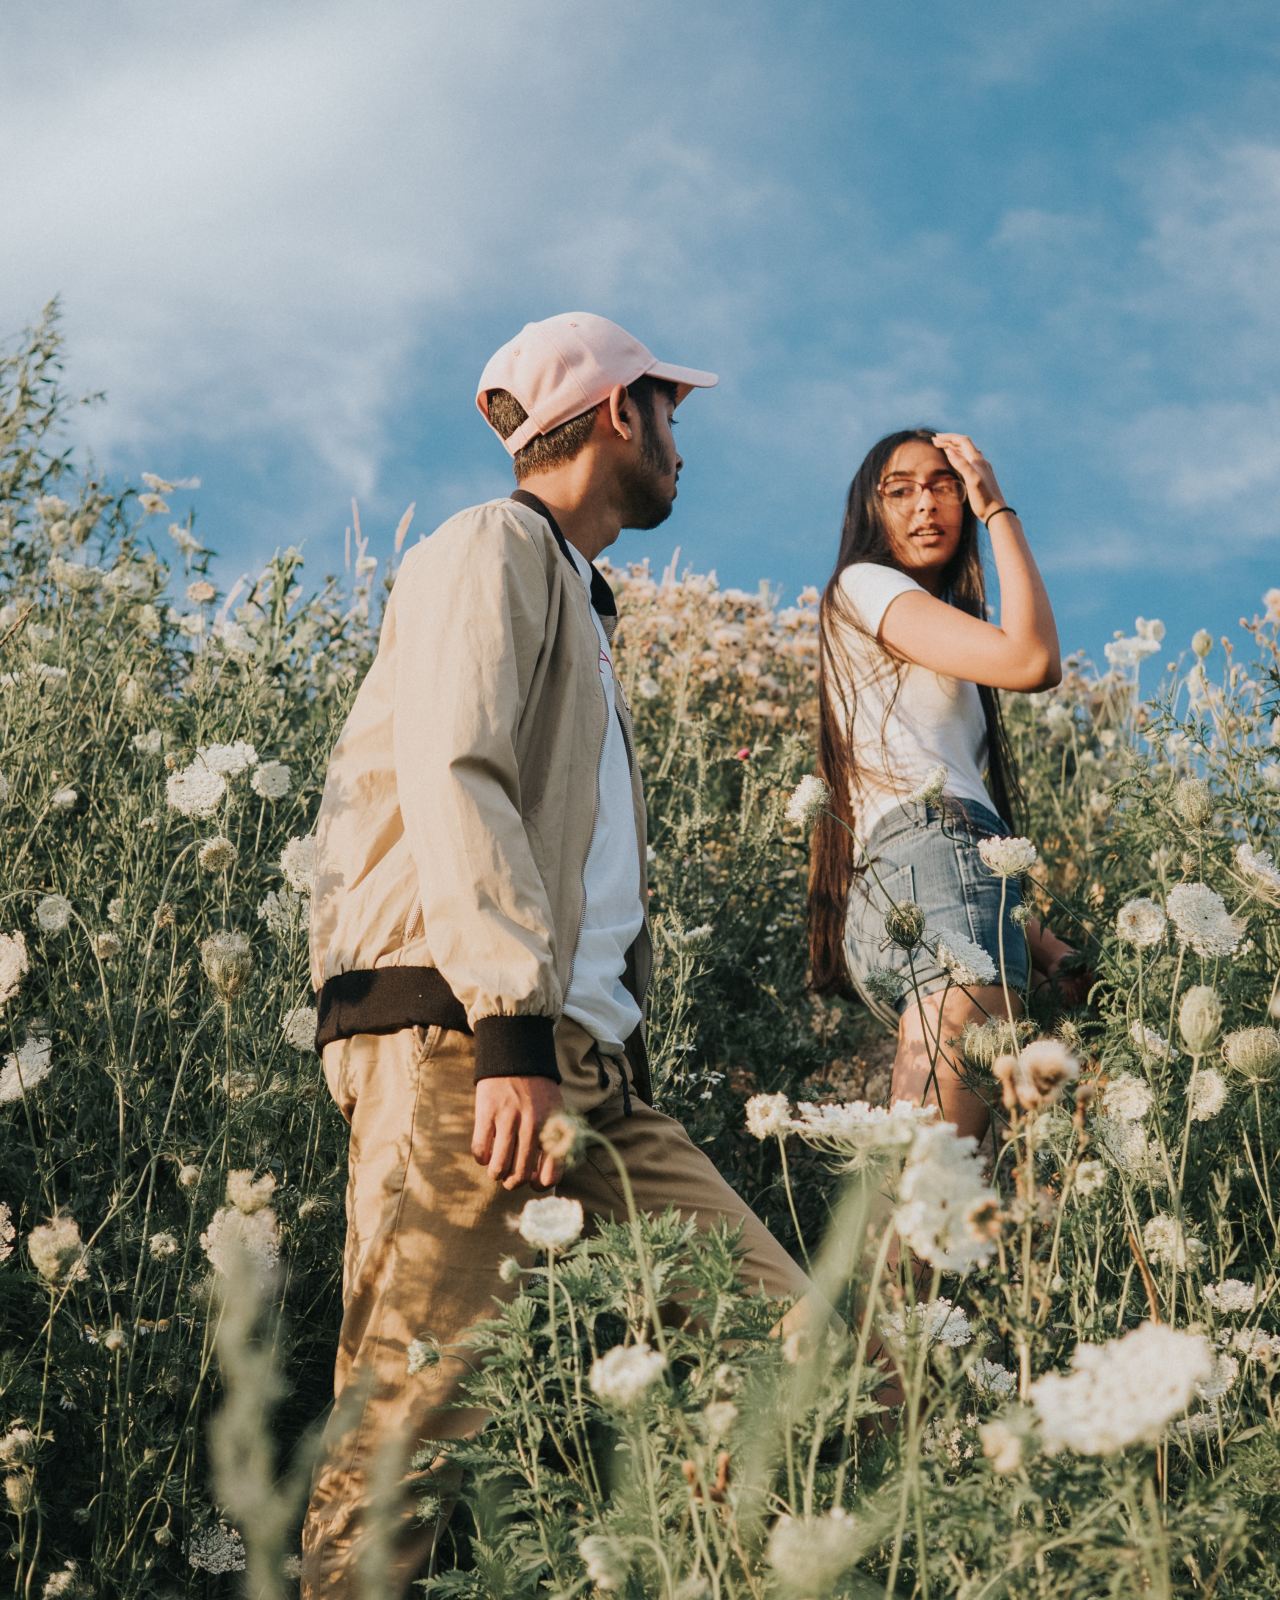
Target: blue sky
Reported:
point(287, 237)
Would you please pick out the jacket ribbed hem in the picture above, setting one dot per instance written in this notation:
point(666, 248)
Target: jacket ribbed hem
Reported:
point(386, 999)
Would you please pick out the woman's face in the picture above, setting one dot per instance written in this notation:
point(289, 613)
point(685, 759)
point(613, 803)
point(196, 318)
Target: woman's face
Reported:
point(922, 500)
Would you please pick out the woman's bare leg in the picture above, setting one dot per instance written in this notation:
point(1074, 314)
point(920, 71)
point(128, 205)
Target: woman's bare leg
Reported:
point(924, 1038)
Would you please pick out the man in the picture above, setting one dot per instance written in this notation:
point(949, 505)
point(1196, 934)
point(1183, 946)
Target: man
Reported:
point(479, 938)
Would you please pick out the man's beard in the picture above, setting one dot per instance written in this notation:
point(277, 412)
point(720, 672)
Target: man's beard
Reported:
point(645, 500)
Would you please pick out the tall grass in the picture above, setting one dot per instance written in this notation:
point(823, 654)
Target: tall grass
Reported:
point(173, 1172)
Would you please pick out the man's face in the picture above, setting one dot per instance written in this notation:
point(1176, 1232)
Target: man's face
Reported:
point(648, 480)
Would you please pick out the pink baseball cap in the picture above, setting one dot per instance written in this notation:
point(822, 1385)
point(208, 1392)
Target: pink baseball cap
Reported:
point(565, 365)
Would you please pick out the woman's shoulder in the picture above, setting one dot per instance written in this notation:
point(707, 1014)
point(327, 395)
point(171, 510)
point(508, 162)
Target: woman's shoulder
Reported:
point(869, 587)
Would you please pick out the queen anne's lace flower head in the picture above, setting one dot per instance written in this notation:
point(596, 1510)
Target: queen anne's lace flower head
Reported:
point(1208, 1094)
point(8, 1233)
point(1034, 1078)
point(1122, 1393)
point(1126, 1096)
point(964, 962)
point(768, 1115)
point(1126, 1146)
point(1008, 858)
point(1231, 1295)
point(1201, 920)
point(196, 790)
point(272, 780)
point(58, 1252)
point(606, 1561)
point(228, 960)
point(1259, 868)
point(990, 1378)
point(808, 800)
point(217, 854)
point(1165, 1241)
point(14, 965)
point(935, 1321)
point(857, 1130)
point(216, 1549)
point(53, 913)
point(1141, 922)
point(623, 1375)
point(299, 1028)
point(229, 759)
point(247, 1193)
point(551, 1224)
point(233, 1234)
point(944, 1203)
point(1253, 1053)
point(931, 789)
point(1199, 1018)
point(1150, 1043)
point(810, 1555)
point(298, 863)
point(30, 1064)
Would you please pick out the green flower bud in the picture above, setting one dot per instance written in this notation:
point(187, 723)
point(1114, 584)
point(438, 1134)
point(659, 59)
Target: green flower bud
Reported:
point(1200, 1018)
point(1254, 1053)
point(1193, 801)
point(904, 923)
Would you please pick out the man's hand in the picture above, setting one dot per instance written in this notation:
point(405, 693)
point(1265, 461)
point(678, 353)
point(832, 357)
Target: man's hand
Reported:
point(509, 1117)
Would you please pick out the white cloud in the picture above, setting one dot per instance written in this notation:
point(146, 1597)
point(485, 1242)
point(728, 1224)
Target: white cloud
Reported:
point(265, 223)
point(1215, 466)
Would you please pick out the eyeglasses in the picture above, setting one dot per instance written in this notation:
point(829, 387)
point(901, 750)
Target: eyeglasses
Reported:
point(947, 490)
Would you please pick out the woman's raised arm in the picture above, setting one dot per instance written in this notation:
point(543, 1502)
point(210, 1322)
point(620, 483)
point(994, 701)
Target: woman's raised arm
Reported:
point(1021, 651)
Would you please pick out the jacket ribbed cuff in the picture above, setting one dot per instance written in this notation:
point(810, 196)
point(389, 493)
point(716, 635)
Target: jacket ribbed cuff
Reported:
point(516, 1047)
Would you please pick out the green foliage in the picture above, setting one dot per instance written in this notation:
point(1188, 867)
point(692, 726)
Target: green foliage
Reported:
point(139, 1079)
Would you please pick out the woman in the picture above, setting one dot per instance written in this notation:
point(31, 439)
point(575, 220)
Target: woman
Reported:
point(909, 720)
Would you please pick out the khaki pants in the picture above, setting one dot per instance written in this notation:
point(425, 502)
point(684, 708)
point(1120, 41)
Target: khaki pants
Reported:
point(426, 1230)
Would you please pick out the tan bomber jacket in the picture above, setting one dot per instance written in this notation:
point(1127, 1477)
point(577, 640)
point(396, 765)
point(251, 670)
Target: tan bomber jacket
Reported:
point(461, 798)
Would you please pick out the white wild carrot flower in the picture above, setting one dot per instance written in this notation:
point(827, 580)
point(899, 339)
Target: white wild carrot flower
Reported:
point(622, 1376)
point(54, 913)
point(552, 1223)
point(768, 1115)
point(1208, 1094)
point(1231, 1295)
point(30, 1064)
point(809, 797)
point(1122, 1393)
point(1008, 858)
point(1141, 922)
point(1201, 920)
point(299, 1028)
point(272, 780)
point(14, 965)
point(195, 790)
point(58, 1252)
point(965, 963)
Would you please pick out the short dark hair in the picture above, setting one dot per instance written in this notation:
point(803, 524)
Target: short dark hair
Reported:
point(562, 444)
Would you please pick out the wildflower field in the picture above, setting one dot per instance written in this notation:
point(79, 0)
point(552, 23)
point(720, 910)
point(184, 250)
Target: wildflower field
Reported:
point(1084, 1315)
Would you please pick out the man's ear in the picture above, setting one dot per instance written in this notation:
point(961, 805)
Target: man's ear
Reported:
point(621, 412)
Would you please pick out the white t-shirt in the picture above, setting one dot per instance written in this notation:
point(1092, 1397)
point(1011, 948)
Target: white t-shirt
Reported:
point(936, 721)
point(612, 915)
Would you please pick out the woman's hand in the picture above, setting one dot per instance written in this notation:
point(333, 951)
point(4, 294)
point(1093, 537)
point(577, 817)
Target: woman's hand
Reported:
point(975, 469)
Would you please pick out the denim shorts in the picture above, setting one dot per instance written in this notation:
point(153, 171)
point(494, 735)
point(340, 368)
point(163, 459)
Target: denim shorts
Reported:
point(929, 854)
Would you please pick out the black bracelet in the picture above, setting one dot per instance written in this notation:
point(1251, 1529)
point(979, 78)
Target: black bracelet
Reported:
point(996, 513)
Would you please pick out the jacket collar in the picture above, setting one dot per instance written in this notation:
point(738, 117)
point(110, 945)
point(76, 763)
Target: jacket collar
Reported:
point(602, 598)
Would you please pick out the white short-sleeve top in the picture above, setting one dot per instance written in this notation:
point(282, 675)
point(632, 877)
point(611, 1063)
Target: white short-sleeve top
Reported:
point(936, 720)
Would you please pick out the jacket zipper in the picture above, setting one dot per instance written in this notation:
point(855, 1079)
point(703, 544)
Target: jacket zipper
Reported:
point(595, 808)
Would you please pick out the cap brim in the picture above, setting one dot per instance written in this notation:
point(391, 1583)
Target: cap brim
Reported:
point(684, 378)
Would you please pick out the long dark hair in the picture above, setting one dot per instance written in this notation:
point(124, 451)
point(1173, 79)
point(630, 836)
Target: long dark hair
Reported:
point(865, 538)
